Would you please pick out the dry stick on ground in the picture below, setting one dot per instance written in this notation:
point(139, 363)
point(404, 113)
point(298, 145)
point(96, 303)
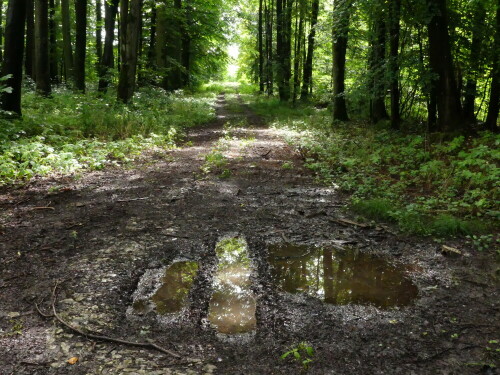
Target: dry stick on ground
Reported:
point(91, 335)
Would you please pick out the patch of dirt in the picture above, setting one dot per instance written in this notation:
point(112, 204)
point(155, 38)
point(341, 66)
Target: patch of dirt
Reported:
point(100, 234)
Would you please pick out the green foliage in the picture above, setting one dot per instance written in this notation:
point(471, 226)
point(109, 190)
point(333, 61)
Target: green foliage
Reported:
point(69, 132)
point(443, 189)
point(302, 353)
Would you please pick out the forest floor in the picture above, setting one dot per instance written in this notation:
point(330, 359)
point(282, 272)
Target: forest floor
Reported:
point(99, 235)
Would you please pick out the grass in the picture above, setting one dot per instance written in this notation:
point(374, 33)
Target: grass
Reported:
point(70, 132)
point(445, 188)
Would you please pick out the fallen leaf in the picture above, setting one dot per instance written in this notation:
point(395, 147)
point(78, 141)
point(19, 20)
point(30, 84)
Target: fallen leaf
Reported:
point(73, 360)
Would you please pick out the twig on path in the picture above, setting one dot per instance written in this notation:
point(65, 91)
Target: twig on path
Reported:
point(44, 208)
point(132, 200)
point(91, 335)
point(346, 222)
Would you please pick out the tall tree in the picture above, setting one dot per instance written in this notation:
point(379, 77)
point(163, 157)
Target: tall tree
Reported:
point(80, 44)
point(441, 64)
point(30, 39)
point(13, 55)
point(261, 47)
point(340, 34)
point(130, 21)
point(107, 60)
point(53, 54)
point(186, 41)
point(67, 47)
point(269, 46)
point(299, 37)
point(394, 30)
point(308, 65)
point(42, 66)
point(98, 30)
point(494, 104)
point(378, 83)
point(283, 47)
point(1, 28)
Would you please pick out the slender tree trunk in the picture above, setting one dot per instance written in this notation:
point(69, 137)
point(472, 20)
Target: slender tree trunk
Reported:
point(67, 48)
point(80, 44)
point(130, 21)
point(54, 76)
point(1, 29)
point(494, 104)
point(270, 47)
point(108, 61)
point(261, 48)
point(152, 36)
point(98, 30)
point(30, 39)
point(298, 49)
point(441, 64)
point(173, 75)
point(12, 63)
point(378, 110)
point(42, 60)
point(308, 65)
point(340, 33)
point(394, 30)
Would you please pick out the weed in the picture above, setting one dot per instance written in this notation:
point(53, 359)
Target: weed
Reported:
point(287, 165)
point(302, 353)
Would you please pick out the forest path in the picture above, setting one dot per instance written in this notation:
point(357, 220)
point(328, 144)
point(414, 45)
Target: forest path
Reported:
point(104, 232)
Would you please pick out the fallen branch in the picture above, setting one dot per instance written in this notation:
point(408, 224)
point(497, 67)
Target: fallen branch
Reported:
point(94, 336)
point(132, 200)
point(346, 222)
point(44, 208)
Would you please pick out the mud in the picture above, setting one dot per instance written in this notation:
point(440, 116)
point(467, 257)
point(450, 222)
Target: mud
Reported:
point(110, 236)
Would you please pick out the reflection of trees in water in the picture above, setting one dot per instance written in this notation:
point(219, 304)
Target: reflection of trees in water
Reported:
point(341, 278)
point(232, 306)
point(177, 281)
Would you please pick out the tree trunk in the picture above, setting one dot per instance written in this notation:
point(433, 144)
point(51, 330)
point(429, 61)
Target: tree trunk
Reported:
point(152, 37)
point(173, 76)
point(80, 43)
point(54, 76)
point(340, 38)
point(130, 21)
point(186, 47)
point(394, 30)
point(378, 110)
point(67, 48)
point(441, 64)
point(30, 39)
point(107, 61)
point(308, 65)
point(98, 30)
point(299, 32)
point(42, 66)
point(1, 29)
point(261, 48)
point(494, 105)
point(269, 47)
point(13, 55)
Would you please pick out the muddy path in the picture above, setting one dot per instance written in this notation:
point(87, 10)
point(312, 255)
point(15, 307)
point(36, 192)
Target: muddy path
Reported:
point(110, 235)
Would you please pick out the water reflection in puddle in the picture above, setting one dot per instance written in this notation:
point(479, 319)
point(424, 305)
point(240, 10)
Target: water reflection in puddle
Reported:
point(346, 277)
point(171, 297)
point(232, 306)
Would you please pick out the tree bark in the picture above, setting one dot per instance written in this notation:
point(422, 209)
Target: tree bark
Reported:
point(42, 60)
point(340, 38)
point(12, 63)
point(1, 29)
point(107, 61)
point(152, 36)
point(299, 32)
point(67, 47)
point(441, 64)
point(308, 65)
point(130, 21)
point(494, 104)
point(186, 46)
point(80, 44)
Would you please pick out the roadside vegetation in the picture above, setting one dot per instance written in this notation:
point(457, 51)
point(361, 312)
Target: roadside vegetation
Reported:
point(424, 184)
point(71, 132)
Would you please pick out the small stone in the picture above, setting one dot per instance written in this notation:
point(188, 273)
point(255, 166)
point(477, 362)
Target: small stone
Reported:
point(14, 314)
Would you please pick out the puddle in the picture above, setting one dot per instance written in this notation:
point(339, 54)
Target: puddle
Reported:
point(341, 278)
point(171, 297)
point(232, 306)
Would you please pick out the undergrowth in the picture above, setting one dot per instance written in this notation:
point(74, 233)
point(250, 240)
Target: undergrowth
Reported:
point(441, 188)
point(70, 132)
